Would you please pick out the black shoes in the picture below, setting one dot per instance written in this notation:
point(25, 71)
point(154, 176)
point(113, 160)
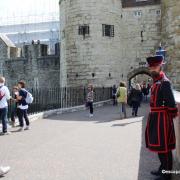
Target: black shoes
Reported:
point(156, 173)
point(161, 176)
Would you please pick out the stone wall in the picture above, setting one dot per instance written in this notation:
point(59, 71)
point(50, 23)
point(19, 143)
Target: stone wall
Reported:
point(171, 38)
point(37, 70)
point(109, 59)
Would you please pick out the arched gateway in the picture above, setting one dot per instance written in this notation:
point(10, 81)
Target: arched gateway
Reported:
point(135, 72)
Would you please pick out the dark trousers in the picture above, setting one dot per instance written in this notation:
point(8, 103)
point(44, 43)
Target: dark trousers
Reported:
point(14, 113)
point(3, 116)
point(22, 115)
point(135, 106)
point(90, 104)
point(114, 100)
point(166, 163)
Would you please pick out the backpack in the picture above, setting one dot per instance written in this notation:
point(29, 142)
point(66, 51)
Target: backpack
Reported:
point(29, 98)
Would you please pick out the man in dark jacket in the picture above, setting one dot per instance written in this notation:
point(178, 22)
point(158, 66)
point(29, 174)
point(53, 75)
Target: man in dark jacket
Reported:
point(160, 135)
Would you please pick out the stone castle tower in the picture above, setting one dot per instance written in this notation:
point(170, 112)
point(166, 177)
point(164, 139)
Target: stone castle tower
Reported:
point(171, 38)
point(103, 42)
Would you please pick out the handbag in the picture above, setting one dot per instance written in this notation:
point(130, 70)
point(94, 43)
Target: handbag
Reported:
point(118, 93)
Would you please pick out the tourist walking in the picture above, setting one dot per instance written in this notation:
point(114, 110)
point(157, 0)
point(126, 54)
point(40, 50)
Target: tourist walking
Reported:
point(22, 106)
point(90, 99)
point(4, 97)
point(135, 98)
point(145, 91)
point(4, 170)
point(160, 135)
point(122, 98)
point(114, 91)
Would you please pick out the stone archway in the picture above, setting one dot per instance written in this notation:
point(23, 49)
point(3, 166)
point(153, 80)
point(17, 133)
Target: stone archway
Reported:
point(135, 72)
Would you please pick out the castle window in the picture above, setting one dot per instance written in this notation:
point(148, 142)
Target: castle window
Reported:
point(158, 12)
point(84, 30)
point(137, 13)
point(93, 74)
point(108, 30)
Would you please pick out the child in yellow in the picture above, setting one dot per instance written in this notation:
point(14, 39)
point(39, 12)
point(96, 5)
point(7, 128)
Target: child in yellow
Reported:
point(122, 97)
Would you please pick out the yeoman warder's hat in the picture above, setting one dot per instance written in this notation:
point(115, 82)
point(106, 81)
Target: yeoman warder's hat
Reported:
point(157, 60)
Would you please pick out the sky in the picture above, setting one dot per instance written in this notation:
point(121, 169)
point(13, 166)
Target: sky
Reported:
point(14, 9)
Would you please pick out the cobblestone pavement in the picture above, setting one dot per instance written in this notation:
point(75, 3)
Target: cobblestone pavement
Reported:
point(75, 147)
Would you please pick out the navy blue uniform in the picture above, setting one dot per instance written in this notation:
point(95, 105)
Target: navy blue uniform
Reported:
point(160, 134)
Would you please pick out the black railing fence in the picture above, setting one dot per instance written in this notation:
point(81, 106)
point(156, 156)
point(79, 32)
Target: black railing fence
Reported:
point(54, 98)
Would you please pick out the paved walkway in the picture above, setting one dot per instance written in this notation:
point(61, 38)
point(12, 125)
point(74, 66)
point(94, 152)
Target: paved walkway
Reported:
point(74, 147)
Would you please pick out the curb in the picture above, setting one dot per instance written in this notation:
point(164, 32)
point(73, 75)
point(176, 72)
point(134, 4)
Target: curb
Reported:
point(46, 114)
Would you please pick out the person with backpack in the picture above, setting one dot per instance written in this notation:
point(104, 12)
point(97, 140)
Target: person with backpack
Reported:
point(4, 97)
point(23, 106)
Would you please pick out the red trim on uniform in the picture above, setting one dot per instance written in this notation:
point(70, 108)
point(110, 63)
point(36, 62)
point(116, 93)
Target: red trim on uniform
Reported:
point(159, 108)
point(170, 108)
point(165, 131)
point(166, 151)
point(159, 129)
point(152, 64)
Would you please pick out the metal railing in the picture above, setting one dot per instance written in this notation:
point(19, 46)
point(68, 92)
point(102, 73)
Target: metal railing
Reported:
point(55, 98)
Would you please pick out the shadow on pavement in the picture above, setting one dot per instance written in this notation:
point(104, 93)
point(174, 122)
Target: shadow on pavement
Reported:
point(104, 114)
point(125, 124)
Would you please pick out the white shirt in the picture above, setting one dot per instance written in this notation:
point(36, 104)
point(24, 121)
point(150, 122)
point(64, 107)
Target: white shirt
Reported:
point(4, 91)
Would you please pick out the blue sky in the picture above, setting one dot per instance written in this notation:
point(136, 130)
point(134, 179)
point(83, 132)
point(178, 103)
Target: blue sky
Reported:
point(18, 8)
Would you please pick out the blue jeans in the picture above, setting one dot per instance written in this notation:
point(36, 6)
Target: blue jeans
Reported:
point(123, 109)
point(3, 116)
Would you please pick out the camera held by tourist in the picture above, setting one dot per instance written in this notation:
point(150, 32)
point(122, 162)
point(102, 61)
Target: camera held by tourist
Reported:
point(122, 98)
point(90, 99)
